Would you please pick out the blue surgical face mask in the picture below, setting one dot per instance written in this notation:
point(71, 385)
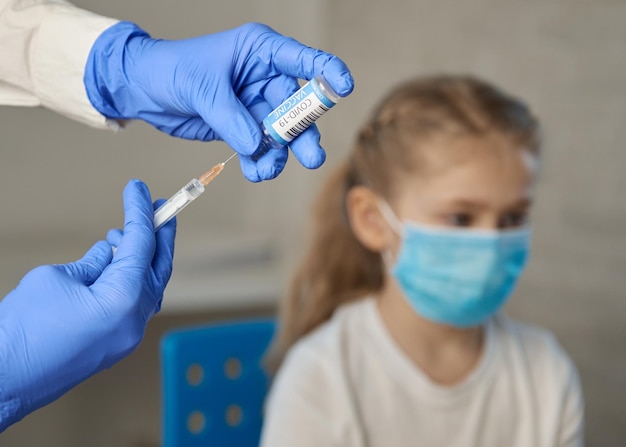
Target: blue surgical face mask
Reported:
point(457, 277)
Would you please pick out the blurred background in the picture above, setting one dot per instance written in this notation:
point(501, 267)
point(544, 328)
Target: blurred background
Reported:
point(61, 185)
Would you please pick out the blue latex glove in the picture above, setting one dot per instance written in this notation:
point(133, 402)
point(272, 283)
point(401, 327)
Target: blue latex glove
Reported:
point(214, 87)
point(64, 323)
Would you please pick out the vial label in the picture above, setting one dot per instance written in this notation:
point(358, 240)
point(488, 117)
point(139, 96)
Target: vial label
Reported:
point(297, 113)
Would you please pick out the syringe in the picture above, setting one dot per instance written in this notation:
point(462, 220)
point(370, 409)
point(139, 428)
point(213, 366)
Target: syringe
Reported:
point(186, 195)
point(279, 128)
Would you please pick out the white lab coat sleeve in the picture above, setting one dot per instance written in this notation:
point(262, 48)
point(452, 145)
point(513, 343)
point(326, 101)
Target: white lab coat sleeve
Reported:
point(44, 45)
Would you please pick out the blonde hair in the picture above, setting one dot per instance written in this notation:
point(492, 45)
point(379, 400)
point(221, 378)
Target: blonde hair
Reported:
point(338, 268)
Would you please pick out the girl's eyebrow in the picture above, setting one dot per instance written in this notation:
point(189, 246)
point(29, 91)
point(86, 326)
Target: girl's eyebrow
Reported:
point(475, 204)
point(526, 202)
point(467, 204)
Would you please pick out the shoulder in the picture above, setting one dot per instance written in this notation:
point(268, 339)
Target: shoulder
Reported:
point(538, 348)
point(325, 346)
point(537, 354)
point(319, 358)
point(311, 383)
point(538, 340)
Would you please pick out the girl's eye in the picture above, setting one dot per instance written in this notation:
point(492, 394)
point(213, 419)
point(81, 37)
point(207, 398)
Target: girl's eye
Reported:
point(460, 220)
point(514, 220)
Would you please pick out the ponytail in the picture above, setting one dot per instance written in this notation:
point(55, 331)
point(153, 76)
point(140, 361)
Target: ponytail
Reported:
point(337, 269)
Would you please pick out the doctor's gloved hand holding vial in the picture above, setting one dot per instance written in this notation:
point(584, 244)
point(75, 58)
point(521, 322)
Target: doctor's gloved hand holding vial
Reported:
point(64, 323)
point(247, 72)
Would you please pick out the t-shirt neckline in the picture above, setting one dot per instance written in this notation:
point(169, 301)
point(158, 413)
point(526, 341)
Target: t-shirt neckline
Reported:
point(403, 368)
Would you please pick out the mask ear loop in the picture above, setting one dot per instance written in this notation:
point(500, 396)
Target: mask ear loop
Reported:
point(395, 225)
point(390, 217)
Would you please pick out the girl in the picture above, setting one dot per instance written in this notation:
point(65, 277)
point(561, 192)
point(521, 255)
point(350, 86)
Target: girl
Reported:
point(391, 334)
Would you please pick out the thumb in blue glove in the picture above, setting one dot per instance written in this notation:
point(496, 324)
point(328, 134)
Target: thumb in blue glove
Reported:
point(64, 323)
point(214, 87)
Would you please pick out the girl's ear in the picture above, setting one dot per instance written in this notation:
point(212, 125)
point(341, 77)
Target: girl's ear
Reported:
point(367, 223)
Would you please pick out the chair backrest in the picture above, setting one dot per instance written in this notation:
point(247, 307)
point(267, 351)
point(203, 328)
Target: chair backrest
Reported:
point(214, 384)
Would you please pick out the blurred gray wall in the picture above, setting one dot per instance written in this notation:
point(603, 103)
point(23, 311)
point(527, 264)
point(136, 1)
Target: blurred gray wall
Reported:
point(61, 183)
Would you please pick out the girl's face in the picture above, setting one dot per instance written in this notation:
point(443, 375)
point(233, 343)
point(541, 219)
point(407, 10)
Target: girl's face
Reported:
point(470, 182)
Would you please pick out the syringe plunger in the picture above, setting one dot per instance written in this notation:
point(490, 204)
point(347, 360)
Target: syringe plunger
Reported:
point(177, 202)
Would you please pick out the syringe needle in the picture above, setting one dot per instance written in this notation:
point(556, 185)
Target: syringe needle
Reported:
point(216, 170)
point(229, 158)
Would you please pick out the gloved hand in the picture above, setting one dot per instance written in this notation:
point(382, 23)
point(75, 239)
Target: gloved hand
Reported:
point(64, 323)
point(214, 87)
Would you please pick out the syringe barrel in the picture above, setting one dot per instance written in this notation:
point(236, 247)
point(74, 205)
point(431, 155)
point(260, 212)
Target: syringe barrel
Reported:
point(177, 203)
point(298, 112)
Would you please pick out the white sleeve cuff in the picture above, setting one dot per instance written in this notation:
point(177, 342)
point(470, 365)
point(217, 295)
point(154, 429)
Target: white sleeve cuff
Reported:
point(59, 53)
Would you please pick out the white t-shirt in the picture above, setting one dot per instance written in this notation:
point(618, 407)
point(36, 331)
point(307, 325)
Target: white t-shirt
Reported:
point(348, 384)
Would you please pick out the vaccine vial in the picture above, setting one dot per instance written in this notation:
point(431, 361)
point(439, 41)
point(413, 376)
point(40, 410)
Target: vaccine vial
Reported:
point(297, 113)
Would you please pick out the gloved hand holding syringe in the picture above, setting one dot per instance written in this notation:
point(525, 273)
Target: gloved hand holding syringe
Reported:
point(280, 127)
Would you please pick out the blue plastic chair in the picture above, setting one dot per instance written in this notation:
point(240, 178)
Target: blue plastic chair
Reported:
point(214, 384)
